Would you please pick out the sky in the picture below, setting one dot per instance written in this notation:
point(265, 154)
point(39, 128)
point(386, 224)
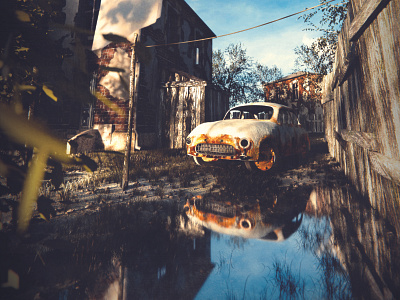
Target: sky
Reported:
point(270, 45)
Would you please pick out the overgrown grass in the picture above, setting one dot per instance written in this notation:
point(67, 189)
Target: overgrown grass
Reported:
point(150, 164)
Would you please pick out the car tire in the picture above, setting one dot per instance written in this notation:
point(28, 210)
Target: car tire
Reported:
point(270, 165)
point(199, 161)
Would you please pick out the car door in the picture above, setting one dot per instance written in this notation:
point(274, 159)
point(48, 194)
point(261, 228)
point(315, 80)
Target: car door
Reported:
point(287, 132)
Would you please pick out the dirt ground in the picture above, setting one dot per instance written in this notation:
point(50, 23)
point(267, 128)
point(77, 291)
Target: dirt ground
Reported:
point(83, 194)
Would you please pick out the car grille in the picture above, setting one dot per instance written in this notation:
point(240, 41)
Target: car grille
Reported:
point(216, 209)
point(215, 149)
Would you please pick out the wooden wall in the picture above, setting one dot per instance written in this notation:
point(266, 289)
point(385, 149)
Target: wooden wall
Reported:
point(182, 109)
point(361, 101)
point(185, 105)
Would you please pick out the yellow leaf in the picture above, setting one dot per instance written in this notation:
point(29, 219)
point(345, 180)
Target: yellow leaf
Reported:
point(21, 49)
point(30, 133)
point(22, 16)
point(49, 92)
point(13, 280)
point(109, 104)
point(30, 191)
point(26, 88)
point(43, 217)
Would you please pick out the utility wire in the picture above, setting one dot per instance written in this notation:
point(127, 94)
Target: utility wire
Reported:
point(243, 30)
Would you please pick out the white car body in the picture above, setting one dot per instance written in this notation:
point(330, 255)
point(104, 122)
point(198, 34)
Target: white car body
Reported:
point(259, 134)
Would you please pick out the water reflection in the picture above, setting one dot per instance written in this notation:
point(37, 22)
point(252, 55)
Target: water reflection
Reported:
point(329, 244)
point(365, 240)
point(245, 220)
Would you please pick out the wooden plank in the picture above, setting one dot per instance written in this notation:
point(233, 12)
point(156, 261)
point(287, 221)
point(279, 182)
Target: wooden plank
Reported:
point(385, 166)
point(363, 139)
point(364, 17)
point(343, 71)
point(340, 140)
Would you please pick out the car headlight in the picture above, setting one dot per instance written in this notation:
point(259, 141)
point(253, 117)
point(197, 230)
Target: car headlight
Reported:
point(188, 140)
point(244, 143)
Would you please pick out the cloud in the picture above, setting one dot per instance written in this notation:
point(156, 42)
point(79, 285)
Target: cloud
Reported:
point(307, 40)
point(270, 45)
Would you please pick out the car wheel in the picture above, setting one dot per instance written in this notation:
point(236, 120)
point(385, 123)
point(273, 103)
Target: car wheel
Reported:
point(199, 161)
point(269, 160)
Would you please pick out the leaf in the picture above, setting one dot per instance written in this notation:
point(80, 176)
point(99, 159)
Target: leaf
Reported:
point(109, 104)
point(112, 69)
point(12, 281)
point(30, 133)
point(89, 164)
point(115, 38)
point(30, 191)
point(21, 49)
point(22, 16)
point(49, 92)
point(26, 88)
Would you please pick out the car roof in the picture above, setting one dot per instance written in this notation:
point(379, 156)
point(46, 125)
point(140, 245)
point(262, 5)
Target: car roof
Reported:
point(275, 105)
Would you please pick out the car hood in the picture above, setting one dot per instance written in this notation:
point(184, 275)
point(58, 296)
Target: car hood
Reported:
point(254, 129)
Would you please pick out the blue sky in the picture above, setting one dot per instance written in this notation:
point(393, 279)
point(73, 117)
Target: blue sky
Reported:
point(271, 44)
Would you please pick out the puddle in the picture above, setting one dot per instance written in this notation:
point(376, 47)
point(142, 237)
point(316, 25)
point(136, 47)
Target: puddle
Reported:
point(245, 237)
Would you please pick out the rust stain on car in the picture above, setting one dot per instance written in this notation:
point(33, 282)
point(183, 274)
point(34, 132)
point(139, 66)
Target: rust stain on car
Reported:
point(259, 134)
point(244, 221)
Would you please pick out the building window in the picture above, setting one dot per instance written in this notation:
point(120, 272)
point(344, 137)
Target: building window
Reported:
point(295, 90)
point(197, 56)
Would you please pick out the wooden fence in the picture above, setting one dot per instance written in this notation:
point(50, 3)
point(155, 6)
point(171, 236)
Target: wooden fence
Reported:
point(361, 100)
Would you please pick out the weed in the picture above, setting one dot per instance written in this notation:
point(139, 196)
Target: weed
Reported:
point(65, 193)
point(160, 192)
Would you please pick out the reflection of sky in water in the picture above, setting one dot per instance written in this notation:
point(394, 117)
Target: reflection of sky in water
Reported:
point(250, 263)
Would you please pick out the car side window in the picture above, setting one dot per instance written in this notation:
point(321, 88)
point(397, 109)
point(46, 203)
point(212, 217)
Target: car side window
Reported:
point(246, 115)
point(234, 114)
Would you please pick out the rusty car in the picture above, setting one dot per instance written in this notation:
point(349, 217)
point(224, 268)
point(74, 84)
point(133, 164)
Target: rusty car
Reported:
point(246, 221)
point(260, 134)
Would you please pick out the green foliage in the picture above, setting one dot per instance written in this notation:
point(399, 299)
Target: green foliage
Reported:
point(320, 55)
point(237, 74)
point(31, 59)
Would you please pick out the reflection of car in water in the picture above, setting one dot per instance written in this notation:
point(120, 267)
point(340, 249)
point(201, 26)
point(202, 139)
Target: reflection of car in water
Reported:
point(244, 221)
point(259, 134)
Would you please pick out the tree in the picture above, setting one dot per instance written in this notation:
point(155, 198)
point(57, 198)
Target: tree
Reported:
point(320, 55)
point(237, 74)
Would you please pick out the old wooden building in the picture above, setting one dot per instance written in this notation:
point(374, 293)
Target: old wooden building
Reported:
point(173, 82)
point(301, 91)
point(173, 91)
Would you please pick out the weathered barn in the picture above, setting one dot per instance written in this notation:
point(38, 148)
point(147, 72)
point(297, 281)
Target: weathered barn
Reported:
point(362, 103)
point(301, 91)
point(173, 87)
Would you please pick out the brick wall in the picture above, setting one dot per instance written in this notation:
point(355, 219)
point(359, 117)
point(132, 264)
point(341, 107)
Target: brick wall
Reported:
point(104, 114)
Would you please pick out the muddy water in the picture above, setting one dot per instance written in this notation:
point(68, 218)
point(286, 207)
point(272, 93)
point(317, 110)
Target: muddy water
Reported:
point(282, 237)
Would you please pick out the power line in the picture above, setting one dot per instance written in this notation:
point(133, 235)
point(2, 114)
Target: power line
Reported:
point(243, 30)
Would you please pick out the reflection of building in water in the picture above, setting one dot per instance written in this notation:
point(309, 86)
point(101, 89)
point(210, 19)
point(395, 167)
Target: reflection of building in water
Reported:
point(119, 253)
point(365, 242)
point(169, 270)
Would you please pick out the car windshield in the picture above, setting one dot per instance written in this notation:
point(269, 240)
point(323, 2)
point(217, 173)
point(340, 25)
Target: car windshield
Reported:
point(259, 112)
